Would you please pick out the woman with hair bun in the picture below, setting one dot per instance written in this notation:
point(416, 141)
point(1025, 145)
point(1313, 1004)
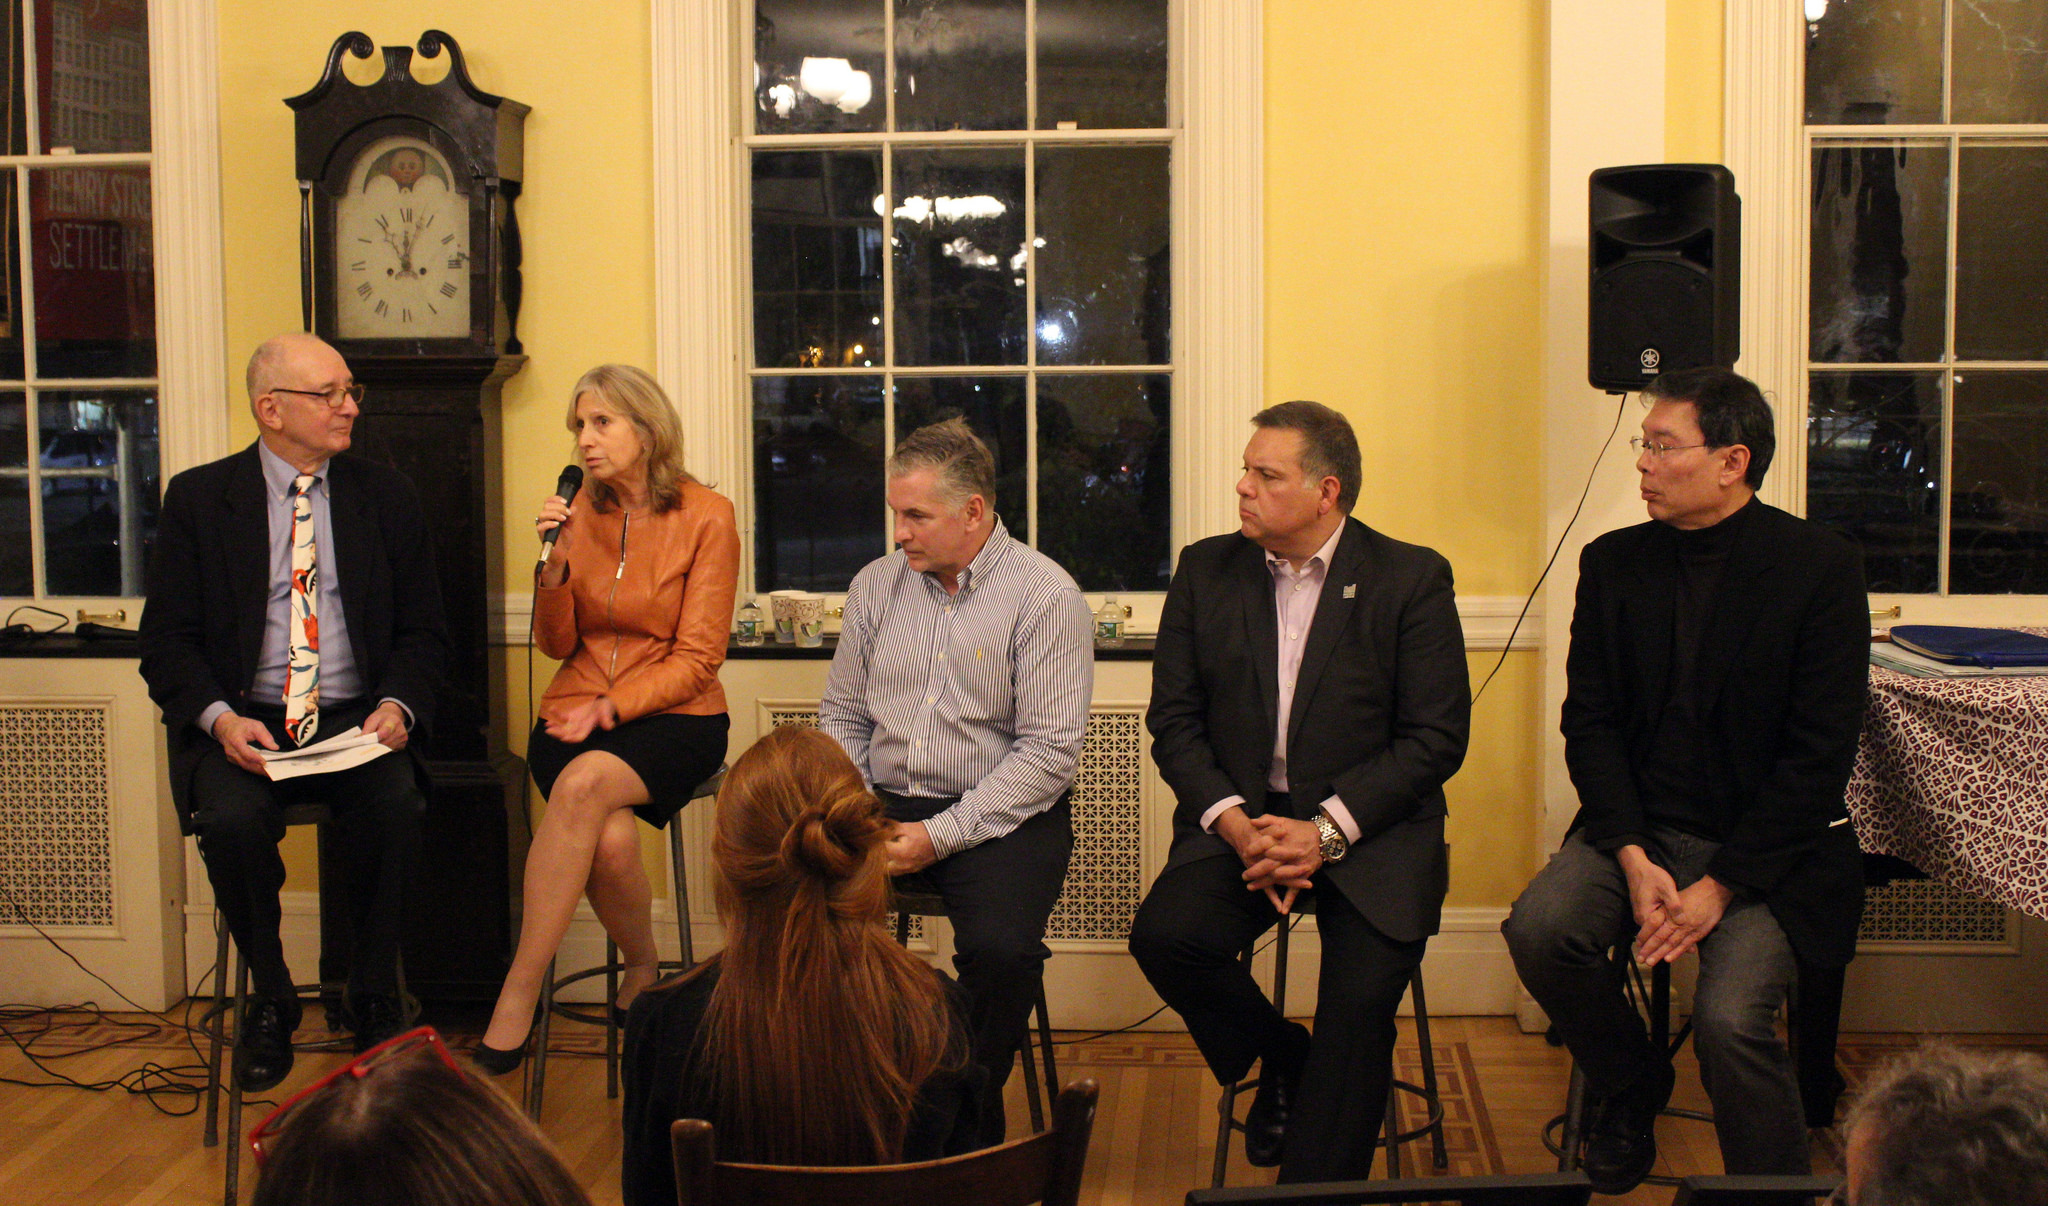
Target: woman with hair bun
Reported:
point(812, 1038)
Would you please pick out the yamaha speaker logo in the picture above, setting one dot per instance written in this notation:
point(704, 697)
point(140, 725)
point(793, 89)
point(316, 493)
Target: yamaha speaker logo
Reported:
point(1650, 359)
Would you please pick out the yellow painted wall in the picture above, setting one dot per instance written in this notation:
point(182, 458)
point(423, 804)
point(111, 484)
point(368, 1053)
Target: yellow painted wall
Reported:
point(1693, 56)
point(1405, 155)
point(587, 213)
point(1404, 210)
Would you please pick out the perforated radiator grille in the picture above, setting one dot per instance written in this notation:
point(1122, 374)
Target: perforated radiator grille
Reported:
point(1927, 910)
point(55, 838)
point(1103, 879)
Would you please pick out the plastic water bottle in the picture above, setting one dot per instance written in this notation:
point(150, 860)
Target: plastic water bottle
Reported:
point(1109, 624)
point(750, 624)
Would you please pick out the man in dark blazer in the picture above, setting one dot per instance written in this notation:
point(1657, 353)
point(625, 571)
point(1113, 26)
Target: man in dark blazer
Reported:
point(1715, 690)
point(221, 642)
point(1309, 699)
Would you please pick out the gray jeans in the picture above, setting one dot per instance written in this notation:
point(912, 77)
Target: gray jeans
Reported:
point(1559, 933)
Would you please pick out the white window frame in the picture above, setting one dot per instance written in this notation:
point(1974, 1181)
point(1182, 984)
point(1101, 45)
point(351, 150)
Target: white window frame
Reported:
point(184, 163)
point(1765, 137)
point(1217, 235)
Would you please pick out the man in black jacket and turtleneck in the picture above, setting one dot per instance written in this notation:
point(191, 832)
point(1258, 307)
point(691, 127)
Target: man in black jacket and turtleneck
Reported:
point(1715, 690)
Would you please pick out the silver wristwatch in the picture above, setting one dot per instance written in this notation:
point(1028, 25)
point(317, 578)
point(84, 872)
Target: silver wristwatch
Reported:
point(1335, 845)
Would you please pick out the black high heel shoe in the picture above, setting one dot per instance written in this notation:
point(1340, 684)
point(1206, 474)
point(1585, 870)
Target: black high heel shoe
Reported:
point(619, 1012)
point(495, 1062)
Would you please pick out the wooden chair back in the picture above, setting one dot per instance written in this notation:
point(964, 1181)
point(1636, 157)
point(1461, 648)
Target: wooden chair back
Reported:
point(1045, 1167)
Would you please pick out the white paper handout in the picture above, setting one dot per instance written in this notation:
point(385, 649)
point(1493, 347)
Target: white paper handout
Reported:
point(350, 747)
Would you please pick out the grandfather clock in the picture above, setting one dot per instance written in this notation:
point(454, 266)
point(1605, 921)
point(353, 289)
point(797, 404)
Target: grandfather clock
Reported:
point(409, 266)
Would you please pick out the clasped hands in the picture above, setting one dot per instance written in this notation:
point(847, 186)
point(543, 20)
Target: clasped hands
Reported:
point(1279, 853)
point(1669, 920)
point(240, 736)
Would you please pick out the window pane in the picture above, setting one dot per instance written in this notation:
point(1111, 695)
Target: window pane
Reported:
point(13, 430)
point(1873, 62)
point(1873, 444)
point(2002, 253)
point(1880, 252)
point(2000, 74)
point(14, 128)
point(1102, 64)
point(99, 464)
point(1104, 273)
point(94, 275)
point(960, 256)
point(817, 259)
point(994, 408)
point(818, 66)
point(93, 64)
point(12, 365)
point(818, 502)
point(16, 568)
point(1999, 521)
point(960, 64)
point(1104, 498)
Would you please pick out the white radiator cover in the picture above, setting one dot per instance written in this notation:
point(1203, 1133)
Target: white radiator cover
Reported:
point(89, 845)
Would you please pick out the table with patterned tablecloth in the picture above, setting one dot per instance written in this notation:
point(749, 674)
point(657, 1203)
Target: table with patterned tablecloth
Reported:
point(1952, 776)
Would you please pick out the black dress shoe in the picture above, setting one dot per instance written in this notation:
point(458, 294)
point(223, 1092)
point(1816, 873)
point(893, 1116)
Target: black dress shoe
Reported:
point(1265, 1124)
point(263, 1047)
point(1621, 1144)
point(375, 1017)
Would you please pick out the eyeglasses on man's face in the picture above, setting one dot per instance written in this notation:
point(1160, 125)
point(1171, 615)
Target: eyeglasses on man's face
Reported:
point(427, 1037)
point(1657, 449)
point(333, 397)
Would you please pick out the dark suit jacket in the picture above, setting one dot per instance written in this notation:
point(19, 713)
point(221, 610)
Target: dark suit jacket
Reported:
point(1380, 713)
point(1782, 674)
point(209, 579)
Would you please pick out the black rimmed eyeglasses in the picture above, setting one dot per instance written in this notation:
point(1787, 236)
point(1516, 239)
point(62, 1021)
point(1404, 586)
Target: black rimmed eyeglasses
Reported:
point(333, 397)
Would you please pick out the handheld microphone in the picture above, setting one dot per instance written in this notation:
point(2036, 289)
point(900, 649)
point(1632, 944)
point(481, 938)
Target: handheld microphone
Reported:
point(566, 486)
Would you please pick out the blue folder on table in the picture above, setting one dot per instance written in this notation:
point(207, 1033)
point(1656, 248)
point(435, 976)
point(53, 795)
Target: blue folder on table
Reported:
point(1991, 647)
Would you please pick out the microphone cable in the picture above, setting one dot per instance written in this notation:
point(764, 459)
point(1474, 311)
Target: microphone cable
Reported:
point(1591, 472)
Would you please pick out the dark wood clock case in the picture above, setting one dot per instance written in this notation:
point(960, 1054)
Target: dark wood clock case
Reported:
point(431, 411)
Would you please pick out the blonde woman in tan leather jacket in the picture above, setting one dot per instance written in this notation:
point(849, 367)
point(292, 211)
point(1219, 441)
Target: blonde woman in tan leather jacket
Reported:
point(635, 602)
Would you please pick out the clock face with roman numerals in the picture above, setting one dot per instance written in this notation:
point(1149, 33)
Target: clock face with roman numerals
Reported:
point(401, 246)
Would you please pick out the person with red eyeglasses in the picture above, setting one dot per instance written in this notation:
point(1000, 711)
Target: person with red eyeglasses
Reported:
point(405, 1123)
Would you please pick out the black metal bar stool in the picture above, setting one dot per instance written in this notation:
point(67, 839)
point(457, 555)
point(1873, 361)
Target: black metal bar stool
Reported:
point(601, 1014)
point(928, 904)
point(1392, 1138)
point(1566, 1133)
point(228, 964)
point(1812, 1017)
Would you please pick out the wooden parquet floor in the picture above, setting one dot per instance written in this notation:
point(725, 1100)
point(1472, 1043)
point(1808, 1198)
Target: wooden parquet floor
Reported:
point(1154, 1135)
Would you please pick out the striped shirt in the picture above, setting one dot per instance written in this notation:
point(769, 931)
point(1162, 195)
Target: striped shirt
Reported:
point(981, 695)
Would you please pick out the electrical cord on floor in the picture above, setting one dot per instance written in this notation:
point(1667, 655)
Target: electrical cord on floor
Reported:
point(1619, 410)
point(25, 1025)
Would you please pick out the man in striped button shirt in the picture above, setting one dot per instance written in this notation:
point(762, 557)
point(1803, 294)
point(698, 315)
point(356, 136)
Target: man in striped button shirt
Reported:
point(960, 688)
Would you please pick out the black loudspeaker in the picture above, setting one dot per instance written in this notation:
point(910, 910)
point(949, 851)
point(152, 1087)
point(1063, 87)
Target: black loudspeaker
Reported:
point(1667, 272)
